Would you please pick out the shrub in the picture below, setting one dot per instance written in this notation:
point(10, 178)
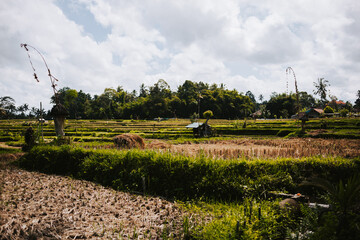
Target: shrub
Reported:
point(194, 117)
point(328, 109)
point(170, 175)
point(208, 114)
point(252, 219)
point(63, 160)
point(30, 138)
point(344, 112)
point(62, 140)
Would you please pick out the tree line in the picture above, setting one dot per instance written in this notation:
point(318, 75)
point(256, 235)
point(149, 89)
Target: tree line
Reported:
point(190, 100)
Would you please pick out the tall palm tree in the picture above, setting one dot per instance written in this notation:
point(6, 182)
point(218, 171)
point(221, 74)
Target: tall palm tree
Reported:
point(321, 89)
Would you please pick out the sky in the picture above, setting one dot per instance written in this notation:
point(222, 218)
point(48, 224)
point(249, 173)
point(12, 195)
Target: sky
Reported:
point(247, 45)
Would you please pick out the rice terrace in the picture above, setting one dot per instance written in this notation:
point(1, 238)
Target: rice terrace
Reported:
point(152, 179)
point(194, 120)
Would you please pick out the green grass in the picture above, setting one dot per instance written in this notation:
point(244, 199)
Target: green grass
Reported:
point(250, 219)
point(218, 194)
point(174, 129)
point(9, 150)
point(180, 177)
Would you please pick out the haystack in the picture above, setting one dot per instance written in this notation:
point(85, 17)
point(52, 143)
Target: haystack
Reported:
point(128, 140)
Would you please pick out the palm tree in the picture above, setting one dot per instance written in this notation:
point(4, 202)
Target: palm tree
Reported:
point(22, 109)
point(321, 89)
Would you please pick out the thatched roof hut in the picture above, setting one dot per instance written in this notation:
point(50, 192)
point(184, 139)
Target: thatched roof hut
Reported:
point(314, 112)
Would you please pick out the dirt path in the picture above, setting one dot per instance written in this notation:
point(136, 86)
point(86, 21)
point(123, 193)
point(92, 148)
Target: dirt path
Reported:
point(3, 145)
point(35, 205)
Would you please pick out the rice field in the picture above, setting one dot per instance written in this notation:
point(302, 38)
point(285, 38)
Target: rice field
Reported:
point(253, 148)
point(100, 131)
point(271, 148)
point(37, 205)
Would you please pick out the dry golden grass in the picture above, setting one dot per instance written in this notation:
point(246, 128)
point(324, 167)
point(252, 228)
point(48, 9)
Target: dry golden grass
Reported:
point(158, 144)
point(271, 148)
point(4, 145)
point(261, 148)
point(40, 206)
point(128, 140)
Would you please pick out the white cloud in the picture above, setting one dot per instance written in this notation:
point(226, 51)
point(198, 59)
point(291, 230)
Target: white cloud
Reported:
point(245, 44)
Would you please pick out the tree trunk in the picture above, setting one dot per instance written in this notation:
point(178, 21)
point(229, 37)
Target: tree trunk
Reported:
point(59, 125)
point(303, 122)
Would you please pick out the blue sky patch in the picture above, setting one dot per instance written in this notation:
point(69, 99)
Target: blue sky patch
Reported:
point(81, 15)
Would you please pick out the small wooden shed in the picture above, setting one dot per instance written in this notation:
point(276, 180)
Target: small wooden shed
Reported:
point(200, 129)
point(314, 112)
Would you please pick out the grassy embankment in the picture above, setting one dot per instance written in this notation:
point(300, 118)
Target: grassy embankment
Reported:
point(234, 193)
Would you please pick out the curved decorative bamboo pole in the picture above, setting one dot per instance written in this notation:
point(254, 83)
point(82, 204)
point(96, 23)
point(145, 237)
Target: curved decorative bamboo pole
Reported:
point(289, 70)
point(52, 78)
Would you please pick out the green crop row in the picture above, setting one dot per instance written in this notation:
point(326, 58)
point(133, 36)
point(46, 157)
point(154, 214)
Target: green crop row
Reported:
point(181, 177)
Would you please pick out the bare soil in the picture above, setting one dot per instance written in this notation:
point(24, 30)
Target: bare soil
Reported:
point(39, 206)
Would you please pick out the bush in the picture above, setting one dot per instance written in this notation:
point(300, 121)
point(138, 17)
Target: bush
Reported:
point(344, 112)
point(30, 138)
point(62, 140)
point(194, 117)
point(63, 160)
point(183, 177)
point(328, 109)
point(208, 114)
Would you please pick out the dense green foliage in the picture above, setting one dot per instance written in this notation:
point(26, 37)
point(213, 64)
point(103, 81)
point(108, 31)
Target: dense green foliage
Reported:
point(157, 101)
point(282, 105)
point(357, 102)
point(183, 177)
point(328, 109)
point(160, 101)
point(252, 219)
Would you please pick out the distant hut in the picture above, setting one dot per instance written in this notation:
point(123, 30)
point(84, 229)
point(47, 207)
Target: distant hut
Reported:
point(256, 114)
point(314, 112)
point(200, 129)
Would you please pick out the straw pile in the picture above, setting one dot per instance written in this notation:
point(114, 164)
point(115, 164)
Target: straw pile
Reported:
point(128, 140)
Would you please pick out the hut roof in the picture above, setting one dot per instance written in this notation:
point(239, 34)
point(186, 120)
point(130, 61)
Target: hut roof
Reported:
point(257, 113)
point(194, 125)
point(318, 110)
